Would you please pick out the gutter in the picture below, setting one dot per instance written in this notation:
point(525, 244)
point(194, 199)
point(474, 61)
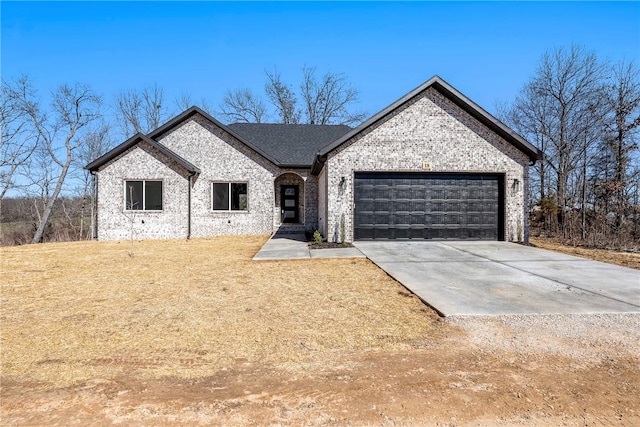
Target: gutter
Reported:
point(318, 163)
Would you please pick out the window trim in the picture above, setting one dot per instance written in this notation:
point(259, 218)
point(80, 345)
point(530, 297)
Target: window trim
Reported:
point(144, 191)
point(229, 210)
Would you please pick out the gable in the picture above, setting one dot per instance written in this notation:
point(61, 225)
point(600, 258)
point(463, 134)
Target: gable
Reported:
point(220, 152)
point(136, 140)
point(195, 113)
point(452, 95)
point(429, 132)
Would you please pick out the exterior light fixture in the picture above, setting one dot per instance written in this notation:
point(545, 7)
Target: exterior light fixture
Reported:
point(516, 185)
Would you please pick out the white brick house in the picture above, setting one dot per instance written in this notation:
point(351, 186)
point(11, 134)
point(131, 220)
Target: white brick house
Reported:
point(433, 165)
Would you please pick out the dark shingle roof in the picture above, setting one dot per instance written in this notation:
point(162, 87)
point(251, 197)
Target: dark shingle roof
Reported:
point(289, 145)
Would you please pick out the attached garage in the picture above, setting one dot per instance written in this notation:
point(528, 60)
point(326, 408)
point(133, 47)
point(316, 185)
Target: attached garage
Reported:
point(432, 165)
point(392, 205)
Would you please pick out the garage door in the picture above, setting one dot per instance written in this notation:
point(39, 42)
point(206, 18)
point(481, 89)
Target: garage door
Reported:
point(428, 206)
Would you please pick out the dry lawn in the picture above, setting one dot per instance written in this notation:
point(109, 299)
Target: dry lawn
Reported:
point(76, 311)
point(624, 259)
point(196, 333)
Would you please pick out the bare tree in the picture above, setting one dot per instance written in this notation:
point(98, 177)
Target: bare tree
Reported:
point(140, 111)
point(327, 100)
point(322, 100)
point(528, 116)
point(555, 110)
point(282, 98)
point(185, 101)
point(40, 176)
point(96, 143)
point(17, 142)
point(58, 131)
point(621, 122)
point(243, 106)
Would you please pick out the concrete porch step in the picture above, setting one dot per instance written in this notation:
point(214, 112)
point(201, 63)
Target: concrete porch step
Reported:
point(291, 229)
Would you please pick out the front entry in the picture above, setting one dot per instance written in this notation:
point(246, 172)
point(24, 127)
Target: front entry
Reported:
point(289, 203)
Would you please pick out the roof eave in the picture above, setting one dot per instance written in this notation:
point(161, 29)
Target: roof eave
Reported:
point(294, 166)
point(318, 164)
point(113, 153)
point(487, 119)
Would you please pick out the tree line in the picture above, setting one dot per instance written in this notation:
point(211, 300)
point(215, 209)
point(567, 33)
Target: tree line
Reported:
point(581, 111)
point(584, 114)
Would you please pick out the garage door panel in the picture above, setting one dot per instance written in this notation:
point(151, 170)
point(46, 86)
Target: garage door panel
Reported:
point(427, 206)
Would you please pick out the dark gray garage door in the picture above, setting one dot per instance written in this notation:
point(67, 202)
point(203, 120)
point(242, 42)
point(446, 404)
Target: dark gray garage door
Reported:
point(428, 206)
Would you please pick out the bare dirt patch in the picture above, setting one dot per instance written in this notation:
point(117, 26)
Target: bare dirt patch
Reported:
point(624, 259)
point(194, 332)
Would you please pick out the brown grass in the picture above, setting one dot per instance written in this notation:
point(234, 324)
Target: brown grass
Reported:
point(188, 309)
point(625, 259)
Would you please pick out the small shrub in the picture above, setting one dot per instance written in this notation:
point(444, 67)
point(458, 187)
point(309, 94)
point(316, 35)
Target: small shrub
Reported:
point(317, 237)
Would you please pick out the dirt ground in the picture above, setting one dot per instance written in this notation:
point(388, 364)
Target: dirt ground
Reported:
point(195, 333)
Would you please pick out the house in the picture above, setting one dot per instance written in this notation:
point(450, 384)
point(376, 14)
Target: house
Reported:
point(432, 165)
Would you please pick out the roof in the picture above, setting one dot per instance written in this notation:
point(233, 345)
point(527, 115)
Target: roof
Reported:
point(437, 83)
point(134, 140)
point(289, 144)
point(304, 146)
point(283, 145)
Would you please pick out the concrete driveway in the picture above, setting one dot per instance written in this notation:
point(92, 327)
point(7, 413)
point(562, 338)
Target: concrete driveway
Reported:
point(492, 278)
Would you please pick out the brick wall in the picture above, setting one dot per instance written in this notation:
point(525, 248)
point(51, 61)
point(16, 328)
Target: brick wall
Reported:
point(142, 162)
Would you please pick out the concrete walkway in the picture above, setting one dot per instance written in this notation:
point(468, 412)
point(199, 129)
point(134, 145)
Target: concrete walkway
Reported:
point(282, 246)
point(494, 278)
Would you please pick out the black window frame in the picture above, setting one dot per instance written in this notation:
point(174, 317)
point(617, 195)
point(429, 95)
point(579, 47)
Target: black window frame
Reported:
point(143, 197)
point(231, 201)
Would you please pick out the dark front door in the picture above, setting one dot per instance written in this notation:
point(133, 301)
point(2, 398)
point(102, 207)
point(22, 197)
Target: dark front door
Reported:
point(289, 203)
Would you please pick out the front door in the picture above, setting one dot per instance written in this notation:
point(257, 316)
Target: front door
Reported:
point(289, 203)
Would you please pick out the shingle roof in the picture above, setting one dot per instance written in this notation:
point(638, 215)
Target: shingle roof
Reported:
point(289, 145)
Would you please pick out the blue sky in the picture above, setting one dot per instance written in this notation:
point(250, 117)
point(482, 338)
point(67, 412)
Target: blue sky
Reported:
point(487, 50)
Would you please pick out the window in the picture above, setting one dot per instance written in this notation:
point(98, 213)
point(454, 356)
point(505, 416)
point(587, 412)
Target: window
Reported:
point(229, 196)
point(143, 195)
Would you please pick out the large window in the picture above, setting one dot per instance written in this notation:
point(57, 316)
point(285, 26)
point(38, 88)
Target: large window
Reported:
point(143, 195)
point(229, 196)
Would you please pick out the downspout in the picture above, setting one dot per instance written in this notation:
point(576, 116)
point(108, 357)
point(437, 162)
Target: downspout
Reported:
point(94, 207)
point(326, 200)
point(189, 206)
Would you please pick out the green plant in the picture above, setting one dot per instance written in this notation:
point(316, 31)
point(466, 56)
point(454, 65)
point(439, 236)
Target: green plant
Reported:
point(317, 237)
point(342, 230)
